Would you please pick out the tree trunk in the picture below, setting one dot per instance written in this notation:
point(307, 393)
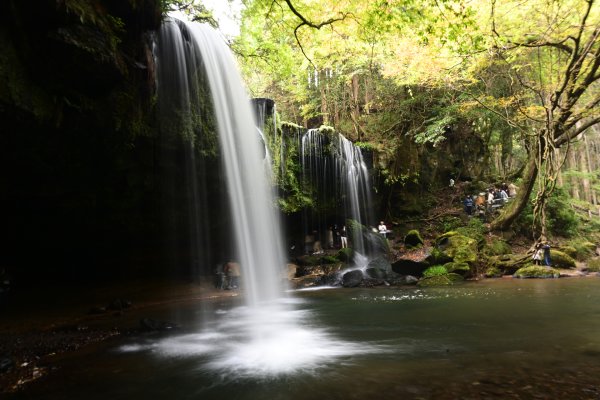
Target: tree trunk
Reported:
point(574, 180)
point(516, 206)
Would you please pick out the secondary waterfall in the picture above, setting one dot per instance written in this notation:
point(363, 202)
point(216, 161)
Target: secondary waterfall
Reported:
point(338, 174)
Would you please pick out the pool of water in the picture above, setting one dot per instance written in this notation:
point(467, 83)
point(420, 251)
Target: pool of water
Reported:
point(490, 339)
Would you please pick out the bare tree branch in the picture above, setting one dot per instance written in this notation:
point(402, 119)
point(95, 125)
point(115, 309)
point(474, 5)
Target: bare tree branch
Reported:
point(306, 22)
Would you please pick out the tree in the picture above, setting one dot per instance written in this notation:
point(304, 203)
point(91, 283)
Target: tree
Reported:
point(557, 68)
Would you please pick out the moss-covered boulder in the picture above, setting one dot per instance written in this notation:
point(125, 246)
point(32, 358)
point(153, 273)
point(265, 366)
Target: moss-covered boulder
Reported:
point(561, 260)
point(536, 271)
point(455, 247)
point(375, 243)
point(497, 247)
point(345, 255)
point(583, 249)
point(593, 265)
point(413, 239)
point(460, 268)
point(568, 250)
point(440, 280)
point(493, 272)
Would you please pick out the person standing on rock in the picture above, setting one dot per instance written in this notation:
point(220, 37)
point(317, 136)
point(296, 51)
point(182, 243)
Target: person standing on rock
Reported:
point(547, 260)
point(344, 237)
point(537, 255)
point(382, 229)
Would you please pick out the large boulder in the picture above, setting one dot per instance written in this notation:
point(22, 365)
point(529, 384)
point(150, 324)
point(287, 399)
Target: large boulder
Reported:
point(536, 271)
point(559, 259)
point(413, 239)
point(352, 278)
point(406, 266)
point(375, 244)
point(455, 247)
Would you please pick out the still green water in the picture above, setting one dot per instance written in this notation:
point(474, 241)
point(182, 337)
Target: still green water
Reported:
point(521, 339)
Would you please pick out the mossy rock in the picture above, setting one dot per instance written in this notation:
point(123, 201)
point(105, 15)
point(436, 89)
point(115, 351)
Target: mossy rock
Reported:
point(561, 260)
point(507, 263)
point(458, 268)
point(375, 243)
point(493, 272)
point(329, 260)
point(474, 230)
point(568, 250)
point(457, 248)
point(497, 248)
point(440, 280)
point(583, 248)
point(413, 239)
point(345, 254)
point(437, 257)
point(536, 271)
point(443, 237)
point(593, 265)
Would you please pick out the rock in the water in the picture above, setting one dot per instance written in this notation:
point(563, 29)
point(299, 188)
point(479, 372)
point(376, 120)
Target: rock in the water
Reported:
point(352, 278)
point(152, 325)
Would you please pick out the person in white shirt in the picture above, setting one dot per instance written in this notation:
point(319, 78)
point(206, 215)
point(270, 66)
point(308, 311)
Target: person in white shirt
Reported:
point(382, 229)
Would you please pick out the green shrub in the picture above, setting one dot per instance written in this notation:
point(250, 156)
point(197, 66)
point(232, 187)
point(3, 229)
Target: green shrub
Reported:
point(345, 254)
point(450, 223)
point(475, 230)
point(435, 270)
point(562, 220)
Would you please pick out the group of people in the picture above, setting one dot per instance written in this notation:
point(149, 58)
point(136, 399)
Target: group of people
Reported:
point(541, 254)
point(486, 201)
point(227, 276)
point(335, 238)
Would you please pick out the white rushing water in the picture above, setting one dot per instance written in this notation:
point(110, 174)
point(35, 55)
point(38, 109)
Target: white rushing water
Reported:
point(270, 335)
point(335, 167)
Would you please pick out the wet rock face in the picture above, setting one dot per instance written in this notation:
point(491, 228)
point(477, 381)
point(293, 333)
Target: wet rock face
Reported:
point(352, 278)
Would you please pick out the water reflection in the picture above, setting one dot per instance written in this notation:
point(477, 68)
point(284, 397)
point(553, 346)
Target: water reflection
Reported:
point(518, 339)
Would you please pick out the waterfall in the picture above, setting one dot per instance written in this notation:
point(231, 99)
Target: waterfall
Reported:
point(335, 170)
point(270, 335)
point(198, 55)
